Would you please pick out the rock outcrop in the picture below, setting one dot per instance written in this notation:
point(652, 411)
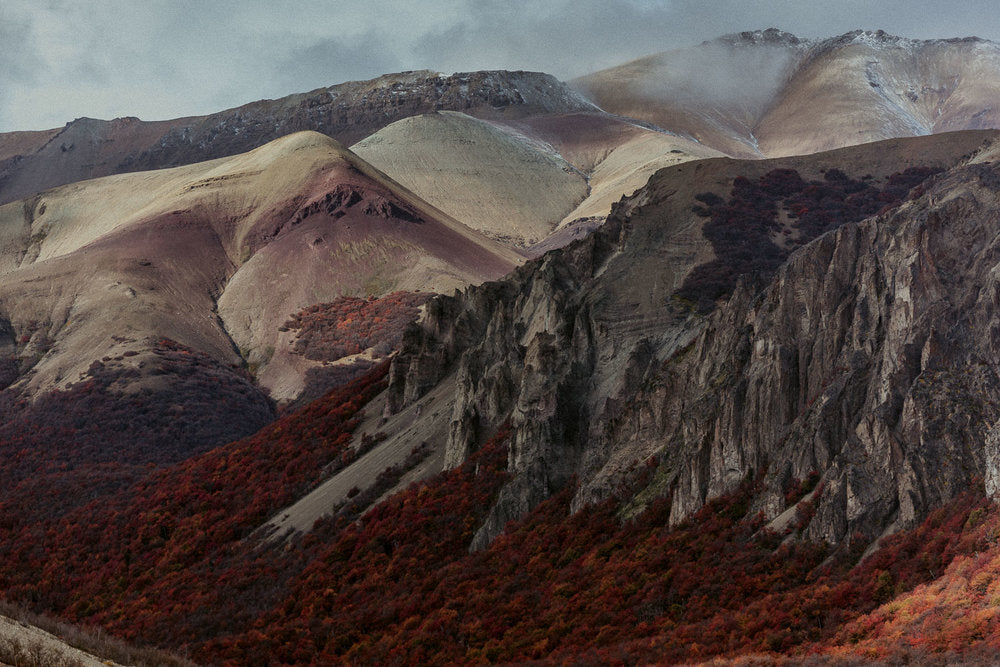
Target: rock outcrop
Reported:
point(869, 358)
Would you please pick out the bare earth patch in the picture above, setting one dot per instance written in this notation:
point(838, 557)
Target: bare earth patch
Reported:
point(23, 644)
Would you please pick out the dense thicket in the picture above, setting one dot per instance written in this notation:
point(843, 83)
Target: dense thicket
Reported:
point(171, 557)
point(329, 332)
point(351, 325)
point(176, 560)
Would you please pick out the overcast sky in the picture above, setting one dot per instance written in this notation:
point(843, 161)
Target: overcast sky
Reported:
point(156, 59)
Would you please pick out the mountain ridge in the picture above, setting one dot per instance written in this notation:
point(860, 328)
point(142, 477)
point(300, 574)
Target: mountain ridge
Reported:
point(347, 112)
point(784, 96)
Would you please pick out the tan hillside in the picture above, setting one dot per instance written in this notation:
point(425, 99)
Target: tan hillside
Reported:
point(870, 86)
point(216, 256)
point(521, 180)
point(492, 180)
point(770, 94)
point(714, 93)
point(617, 155)
point(629, 166)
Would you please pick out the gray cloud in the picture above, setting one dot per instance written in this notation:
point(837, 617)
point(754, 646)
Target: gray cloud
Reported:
point(565, 37)
point(319, 62)
point(21, 61)
point(167, 58)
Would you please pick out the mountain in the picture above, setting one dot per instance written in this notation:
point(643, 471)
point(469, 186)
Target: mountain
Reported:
point(499, 184)
point(514, 154)
point(579, 351)
point(754, 94)
point(675, 438)
point(216, 256)
point(497, 137)
point(521, 181)
point(87, 148)
point(769, 93)
point(519, 377)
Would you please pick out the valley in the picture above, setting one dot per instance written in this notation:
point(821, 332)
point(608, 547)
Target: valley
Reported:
point(653, 365)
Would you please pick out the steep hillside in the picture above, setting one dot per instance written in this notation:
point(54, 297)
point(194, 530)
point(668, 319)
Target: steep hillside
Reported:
point(88, 148)
point(769, 93)
point(868, 86)
point(216, 256)
point(715, 93)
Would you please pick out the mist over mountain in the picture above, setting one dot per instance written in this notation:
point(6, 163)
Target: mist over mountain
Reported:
point(489, 367)
point(769, 93)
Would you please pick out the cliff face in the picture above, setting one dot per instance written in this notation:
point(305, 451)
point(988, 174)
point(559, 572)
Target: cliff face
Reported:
point(869, 357)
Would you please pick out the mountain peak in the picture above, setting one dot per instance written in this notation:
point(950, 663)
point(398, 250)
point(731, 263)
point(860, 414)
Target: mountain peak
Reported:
point(875, 38)
point(768, 36)
point(881, 39)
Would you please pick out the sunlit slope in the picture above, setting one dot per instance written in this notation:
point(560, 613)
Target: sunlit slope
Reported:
point(714, 93)
point(868, 86)
point(519, 181)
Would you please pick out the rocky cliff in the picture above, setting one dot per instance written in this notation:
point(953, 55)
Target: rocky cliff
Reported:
point(869, 357)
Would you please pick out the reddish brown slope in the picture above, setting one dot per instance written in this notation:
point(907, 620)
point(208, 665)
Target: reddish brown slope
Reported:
point(354, 232)
point(84, 148)
point(23, 143)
